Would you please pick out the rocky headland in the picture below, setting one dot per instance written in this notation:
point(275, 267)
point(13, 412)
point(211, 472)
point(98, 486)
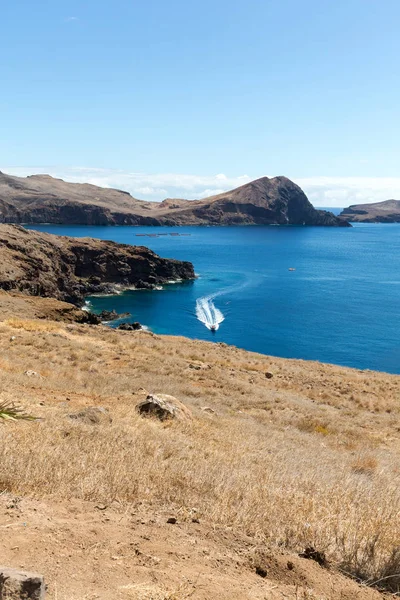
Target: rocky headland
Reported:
point(265, 201)
point(387, 211)
point(69, 269)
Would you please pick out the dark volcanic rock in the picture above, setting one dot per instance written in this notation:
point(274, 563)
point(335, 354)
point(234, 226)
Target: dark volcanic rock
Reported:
point(144, 285)
point(68, 269)
point(265, 201)
point(377, 212)
point(129, 326)
point(111, 315)
point(313, 554)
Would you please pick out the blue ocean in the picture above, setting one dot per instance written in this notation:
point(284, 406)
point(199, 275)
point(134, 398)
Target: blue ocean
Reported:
point(327, 294)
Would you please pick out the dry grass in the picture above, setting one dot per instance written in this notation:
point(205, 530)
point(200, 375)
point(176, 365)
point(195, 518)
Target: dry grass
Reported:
point(292, 461)
point(151, 592)
point(32, 324)
point(365, 465)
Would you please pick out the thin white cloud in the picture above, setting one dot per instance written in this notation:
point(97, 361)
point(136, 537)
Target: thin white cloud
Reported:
point(211, 192)
point(141, 185)
point(322, 191)
point(343, 191)
point(71, 19)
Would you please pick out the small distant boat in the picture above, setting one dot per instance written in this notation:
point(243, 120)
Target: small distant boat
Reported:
point(292, 269)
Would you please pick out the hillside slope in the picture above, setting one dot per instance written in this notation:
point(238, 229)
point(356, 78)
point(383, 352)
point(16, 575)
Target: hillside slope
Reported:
point(276, 201)
point(68, 269)
point(43, 199)
point(387, 211)
point(269, 465)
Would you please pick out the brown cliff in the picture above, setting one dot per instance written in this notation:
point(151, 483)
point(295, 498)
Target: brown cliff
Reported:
point(387, 211)
point(68, 269)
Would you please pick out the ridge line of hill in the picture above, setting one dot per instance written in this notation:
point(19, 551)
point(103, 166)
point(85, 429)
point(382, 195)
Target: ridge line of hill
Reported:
point(264, 201)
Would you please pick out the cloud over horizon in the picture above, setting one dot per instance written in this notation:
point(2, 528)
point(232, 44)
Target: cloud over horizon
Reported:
point(322, 191)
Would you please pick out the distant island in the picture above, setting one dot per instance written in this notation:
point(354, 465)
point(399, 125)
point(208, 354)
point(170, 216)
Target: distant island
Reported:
point(265, 201)
point(387, 211)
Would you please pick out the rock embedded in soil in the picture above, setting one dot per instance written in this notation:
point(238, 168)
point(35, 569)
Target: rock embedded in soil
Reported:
point(208, 410)
point(31, 373)
point(93, 415)
point(21, 585)
point(163, 407)
point(313, 554)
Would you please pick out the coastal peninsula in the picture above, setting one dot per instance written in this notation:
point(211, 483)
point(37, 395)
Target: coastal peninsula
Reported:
point(387, 211)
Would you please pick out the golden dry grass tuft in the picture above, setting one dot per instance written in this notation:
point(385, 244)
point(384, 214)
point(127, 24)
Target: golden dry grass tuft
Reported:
point(292, 461)
point(32, 324)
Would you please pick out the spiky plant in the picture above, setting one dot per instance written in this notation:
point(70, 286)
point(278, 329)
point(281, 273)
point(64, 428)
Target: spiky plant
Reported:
point(10, 412)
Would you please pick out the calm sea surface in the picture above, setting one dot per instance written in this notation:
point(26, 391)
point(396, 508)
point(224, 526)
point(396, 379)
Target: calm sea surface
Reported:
point(341, 304)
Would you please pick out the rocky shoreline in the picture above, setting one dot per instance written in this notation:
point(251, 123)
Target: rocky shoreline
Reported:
point(70, 269)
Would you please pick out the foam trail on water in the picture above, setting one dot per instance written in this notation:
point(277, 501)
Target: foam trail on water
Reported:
point(207, 313)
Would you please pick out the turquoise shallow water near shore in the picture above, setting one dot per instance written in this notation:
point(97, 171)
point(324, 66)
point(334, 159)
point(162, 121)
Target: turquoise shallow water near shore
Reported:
point(340, 305)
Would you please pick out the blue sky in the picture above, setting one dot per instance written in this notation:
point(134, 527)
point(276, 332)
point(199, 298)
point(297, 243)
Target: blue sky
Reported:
point(189, 98)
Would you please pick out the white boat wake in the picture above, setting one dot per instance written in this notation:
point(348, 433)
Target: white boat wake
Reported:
point(207, 313)
point(211, 316)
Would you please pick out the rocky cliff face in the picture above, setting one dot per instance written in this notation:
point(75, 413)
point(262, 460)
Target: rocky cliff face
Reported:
point(377, 212)
point(68, 269)
point(43, 199)
point(265, 201)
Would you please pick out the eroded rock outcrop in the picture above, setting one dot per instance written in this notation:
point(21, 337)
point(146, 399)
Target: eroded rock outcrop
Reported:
point(163, 407)
point(68, 269)
point(21, 585)
point(135, 326)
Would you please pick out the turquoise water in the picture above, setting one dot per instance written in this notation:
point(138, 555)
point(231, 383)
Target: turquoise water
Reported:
point(340, 305)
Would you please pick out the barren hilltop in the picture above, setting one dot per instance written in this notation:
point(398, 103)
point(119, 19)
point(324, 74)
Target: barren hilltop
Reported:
point(44, 199)
point(387, 211)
